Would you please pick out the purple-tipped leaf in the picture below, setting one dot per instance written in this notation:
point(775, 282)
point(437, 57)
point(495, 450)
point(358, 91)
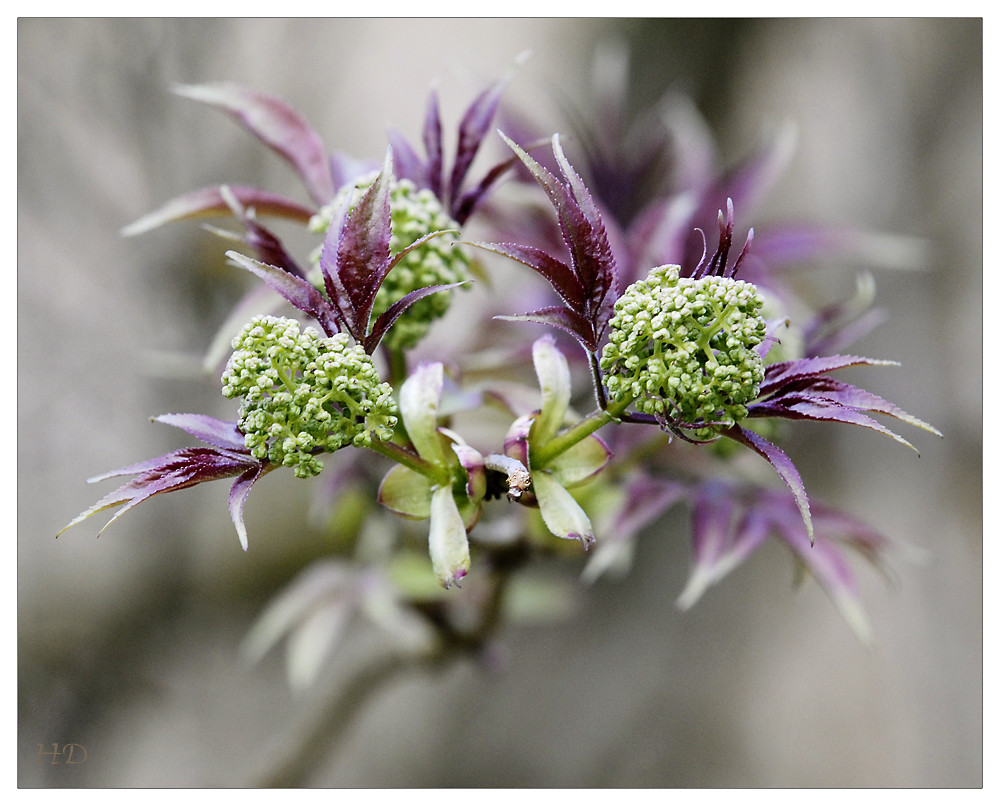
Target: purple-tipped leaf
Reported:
point(208, 429)
point(238, 496)
point(277, 125)
point(168, 473)
point(209, 202)
point(388, 317)
point(299, 292)
point(559, 275)
point(562, 318)
point(781, 464)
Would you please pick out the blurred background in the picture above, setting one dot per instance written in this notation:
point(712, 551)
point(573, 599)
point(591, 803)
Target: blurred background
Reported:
point(128, 645)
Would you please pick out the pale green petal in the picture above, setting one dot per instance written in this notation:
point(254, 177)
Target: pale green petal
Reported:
point(449, 544)
point(563, 516)
point(580, 462)
point(406, 492)
point(418, 401)
point(553, 378)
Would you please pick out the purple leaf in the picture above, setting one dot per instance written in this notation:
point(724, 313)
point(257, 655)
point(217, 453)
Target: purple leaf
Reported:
point(582, 230)
point(805, 407)
point(779, 374)
point(394, 311)
point(433, 145)
point(277, 125)
point(559, 275)
point(361, 260)
point(471, 130)
point(209, 202)
point(264, 243)
point(167, 473)
point(207, 429)
point(299, 292)
point(562, 318)
point(782, 465)
point(238, 495)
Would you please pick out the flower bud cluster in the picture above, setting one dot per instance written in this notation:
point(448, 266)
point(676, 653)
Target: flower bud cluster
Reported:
point(304, 395)
point(684, 349)
point(415, 213)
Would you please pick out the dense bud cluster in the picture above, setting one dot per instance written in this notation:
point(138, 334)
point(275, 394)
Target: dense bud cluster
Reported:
point(303, 394)
point(684, 349)
point(414, 213)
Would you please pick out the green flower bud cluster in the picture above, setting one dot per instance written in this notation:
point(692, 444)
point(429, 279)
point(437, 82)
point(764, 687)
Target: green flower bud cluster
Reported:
point(415, 213)
point(683, 349)
point(303, 394)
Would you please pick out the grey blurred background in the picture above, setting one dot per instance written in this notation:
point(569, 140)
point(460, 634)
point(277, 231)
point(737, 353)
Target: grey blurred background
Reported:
point(128, 644)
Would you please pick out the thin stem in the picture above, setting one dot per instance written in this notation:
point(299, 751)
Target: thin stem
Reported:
point(583, 429)
point(595, 368)
point(324, 726)
point(404, 456)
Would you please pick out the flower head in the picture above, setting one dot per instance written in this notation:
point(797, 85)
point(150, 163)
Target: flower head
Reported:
point(304, 395)
point(684, 349)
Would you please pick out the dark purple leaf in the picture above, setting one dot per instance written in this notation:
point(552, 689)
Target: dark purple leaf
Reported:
point(473, 127)
point(264, 243)
point(208, 429)
point(299, 292)
point(167, 473)
point(394, 311)
point(277, 125)
point(562, 318)
point(782, 465)
point(361, 260)
point(238, 496)
point(777, 375)
point(209, 202)
point(558, 274)
point(805, 407)
point(434, 146)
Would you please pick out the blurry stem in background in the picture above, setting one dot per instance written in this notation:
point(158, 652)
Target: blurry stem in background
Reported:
point(321, 729)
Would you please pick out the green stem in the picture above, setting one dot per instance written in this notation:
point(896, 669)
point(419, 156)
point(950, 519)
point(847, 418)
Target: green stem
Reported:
point(407, 457)
point(583, 429)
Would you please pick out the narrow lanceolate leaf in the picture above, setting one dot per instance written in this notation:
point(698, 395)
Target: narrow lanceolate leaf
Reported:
point(807, 407)
point(845, 394)
point(355, 255)
point(209, 202)
point(277, 125)
point(167, 473)
point(473, 127)
point(562, 318)
point(208, 429)
point(388, 317)
point(299, 292)
point(592, 262)
point(434, 146)
point(782, 465)
point(558, 274)
point(265, 244)
point(238, 497)
point(784, 372)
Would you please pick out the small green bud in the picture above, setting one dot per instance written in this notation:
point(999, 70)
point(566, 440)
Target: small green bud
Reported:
point(303, 394)
point(685, 348)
